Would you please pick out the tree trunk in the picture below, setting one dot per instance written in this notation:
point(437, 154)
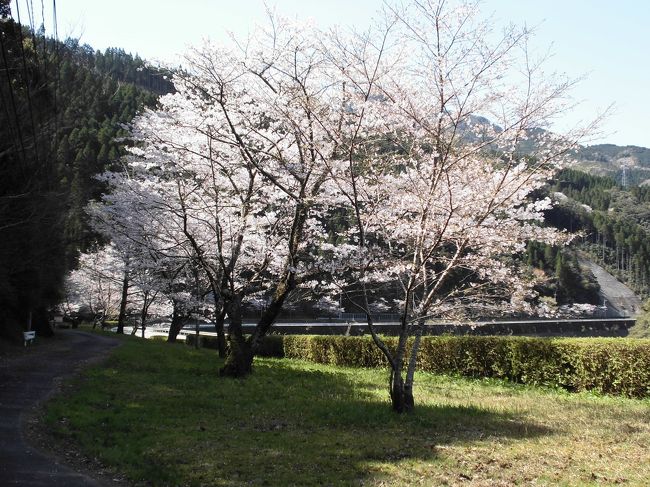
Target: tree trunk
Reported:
point(270, 314)
point(176, 324)
point(239, 362)
point(401, 392)
point(409, 402)
point(401, 396)
point(221, 336)
point(125, 292)
point(144, 313)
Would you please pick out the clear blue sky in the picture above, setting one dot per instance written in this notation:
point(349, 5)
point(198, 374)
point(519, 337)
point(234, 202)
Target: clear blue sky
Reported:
point(607, 40)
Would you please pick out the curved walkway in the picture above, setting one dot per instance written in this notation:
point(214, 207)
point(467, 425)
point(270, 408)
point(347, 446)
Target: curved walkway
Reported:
point(25, 381)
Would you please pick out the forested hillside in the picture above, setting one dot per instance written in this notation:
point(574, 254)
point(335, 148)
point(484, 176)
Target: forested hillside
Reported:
point(99, 93)
point(605, 197)
point(614, 223)
point(63, 106)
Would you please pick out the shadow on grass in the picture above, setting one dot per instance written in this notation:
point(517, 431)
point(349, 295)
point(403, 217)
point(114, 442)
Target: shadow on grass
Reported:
point(289, 423)
point(304, 424)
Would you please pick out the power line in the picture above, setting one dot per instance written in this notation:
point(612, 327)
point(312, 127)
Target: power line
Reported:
point(26, 80)
point(13, 101)
point(57, 70)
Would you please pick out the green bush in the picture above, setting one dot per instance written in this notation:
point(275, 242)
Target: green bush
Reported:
point(603, 365)
point(271, 345)
point(608, 366)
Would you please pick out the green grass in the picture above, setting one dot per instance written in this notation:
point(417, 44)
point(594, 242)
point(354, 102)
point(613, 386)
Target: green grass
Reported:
point(159, 413)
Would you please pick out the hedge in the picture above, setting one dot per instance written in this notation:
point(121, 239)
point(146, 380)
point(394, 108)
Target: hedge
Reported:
point(604, 365)
point(607, 366)
point(271, 344)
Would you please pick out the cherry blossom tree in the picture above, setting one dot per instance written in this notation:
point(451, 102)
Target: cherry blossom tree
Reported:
point(140, 225)
point(444, 203)
point(238, 175)
point(96, 283)
point(242, 148)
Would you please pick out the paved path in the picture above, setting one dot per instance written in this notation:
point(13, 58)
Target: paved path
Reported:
point(26, 380)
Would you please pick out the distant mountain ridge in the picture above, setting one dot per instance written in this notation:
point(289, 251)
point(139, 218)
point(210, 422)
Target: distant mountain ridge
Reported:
point(628, 165)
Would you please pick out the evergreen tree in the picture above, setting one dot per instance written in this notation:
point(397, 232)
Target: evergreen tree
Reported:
point(63, 106)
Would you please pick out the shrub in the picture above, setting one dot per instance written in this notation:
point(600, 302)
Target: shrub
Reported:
point(608, 366)
point(159, 338)
point(271, 345)
point(603, 365)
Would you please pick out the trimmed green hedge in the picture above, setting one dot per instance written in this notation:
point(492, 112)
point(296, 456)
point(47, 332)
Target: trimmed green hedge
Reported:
point(271, 344)
point(608, 366)
point(604, 365)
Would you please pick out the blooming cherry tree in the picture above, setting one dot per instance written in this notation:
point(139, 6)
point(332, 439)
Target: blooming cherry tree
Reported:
point(239, 175)
point(137, 216)
point(96, 283)
point(238, 158)
point(445, 201)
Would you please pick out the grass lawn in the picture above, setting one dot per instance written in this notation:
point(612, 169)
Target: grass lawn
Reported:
point(159, 414)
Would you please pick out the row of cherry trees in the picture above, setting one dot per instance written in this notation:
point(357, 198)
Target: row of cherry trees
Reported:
point(230, 190)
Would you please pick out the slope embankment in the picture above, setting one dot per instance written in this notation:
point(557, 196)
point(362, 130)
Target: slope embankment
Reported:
point(620, 300)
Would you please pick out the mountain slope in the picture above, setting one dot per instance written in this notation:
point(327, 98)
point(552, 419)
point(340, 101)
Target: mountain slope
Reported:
point(628, 165)
point(618, 298)
point(64, 107)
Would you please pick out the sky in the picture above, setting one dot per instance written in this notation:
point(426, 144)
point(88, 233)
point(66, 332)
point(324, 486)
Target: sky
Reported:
point(606, 41)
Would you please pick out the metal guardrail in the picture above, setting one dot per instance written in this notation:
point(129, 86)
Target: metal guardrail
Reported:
point(362, 317)
point(552, 327)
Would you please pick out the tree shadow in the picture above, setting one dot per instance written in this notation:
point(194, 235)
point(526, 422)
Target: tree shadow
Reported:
point(314, 426)
point(170, 420)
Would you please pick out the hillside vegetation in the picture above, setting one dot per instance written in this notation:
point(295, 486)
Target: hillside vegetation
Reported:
point(628, 165)
point(614, 223)
point(63, 116)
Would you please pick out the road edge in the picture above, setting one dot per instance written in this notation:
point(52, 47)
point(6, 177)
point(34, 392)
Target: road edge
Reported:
point(37, 436)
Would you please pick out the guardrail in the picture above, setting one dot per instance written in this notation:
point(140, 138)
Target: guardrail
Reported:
point(570, 327)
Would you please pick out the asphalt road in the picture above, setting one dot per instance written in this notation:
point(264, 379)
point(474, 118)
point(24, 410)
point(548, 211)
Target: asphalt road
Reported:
point(26, 380)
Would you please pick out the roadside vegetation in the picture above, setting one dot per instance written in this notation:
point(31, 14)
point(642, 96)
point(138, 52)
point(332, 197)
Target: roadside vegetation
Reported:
point(158, 413)
point(642, 327)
